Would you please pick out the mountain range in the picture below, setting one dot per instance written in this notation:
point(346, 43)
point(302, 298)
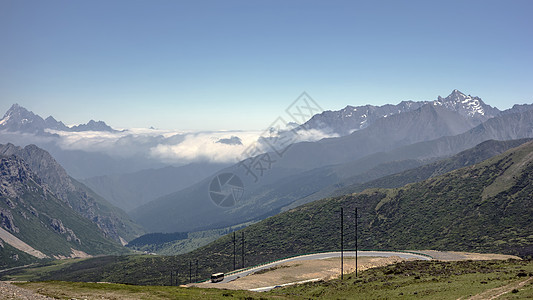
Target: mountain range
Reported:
point(436, 159)
point(486, 207)
point(371, 142)
point(349, 119)
point(19, 119)
point(433, 130)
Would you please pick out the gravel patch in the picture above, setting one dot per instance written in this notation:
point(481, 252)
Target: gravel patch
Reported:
point(10, 291)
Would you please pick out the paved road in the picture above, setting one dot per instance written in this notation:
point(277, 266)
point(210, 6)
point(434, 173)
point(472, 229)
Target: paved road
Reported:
point(232, 277)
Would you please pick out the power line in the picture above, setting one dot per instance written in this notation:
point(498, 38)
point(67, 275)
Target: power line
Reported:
point(242, 235)
point(356, 245)
point(342, 243)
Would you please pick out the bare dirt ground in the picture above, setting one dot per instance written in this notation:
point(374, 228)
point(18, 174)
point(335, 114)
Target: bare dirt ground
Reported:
point(9, 291)
point(325, 269)
point(297, 271)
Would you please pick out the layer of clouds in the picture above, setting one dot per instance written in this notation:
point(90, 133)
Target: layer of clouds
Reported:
point(203, 146)
point(166, 146)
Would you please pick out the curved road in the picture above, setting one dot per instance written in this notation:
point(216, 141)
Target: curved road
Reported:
point(232, 277)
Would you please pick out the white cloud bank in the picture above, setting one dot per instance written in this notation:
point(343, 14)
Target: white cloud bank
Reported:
point(171, 146)
point(204, 146)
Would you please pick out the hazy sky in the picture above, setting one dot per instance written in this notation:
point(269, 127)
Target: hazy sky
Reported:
point(239, 64)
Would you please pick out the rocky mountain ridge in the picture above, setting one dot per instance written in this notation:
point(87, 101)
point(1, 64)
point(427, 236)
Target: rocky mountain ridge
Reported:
point(429, 132)
point(350, 118)
point(18, 118)
point(35, 224)
point(113, 222)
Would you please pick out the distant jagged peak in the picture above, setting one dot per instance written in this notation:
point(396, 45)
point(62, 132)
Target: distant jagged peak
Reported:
point(92, 125)
point(17, 110)
point(18, 118)
point(50, 119)
point(455, 96)
point(467, 105)
point(15, 107)
point(353, 118)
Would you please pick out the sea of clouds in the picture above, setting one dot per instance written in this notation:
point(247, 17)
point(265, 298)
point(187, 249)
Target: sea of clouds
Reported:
point(169, 146)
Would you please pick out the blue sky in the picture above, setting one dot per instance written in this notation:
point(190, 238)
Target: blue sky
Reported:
point(212, 65)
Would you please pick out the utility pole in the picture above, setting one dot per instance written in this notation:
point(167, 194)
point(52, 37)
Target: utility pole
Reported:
point(196, 270)
point(342, 244)
point(356, 242)
point(234, 241)
point(242, 232)
point(190, 271)
point(171, 279)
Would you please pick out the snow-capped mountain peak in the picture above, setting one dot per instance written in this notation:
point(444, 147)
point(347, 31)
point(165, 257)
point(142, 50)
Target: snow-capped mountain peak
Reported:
point(350, 118)
point(18, 118)
point(466, 105)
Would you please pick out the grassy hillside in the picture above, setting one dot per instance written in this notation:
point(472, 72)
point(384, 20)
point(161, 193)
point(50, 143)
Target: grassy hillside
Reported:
point(407, 280)
point(424, 280)
point(11, 257)
point(399, 173)
point(485, 208)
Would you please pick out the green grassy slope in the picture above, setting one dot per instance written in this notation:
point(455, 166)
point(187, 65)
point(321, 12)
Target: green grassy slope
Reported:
point(12, 257)
point(356, 184)
point(407, 280)
point(486, 208)
point(424, 280)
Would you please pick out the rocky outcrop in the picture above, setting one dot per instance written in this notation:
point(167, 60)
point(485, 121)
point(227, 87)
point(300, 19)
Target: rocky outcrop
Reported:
point(58, 227)
point(7, 221)
point(14, 175)
point(44, 166)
